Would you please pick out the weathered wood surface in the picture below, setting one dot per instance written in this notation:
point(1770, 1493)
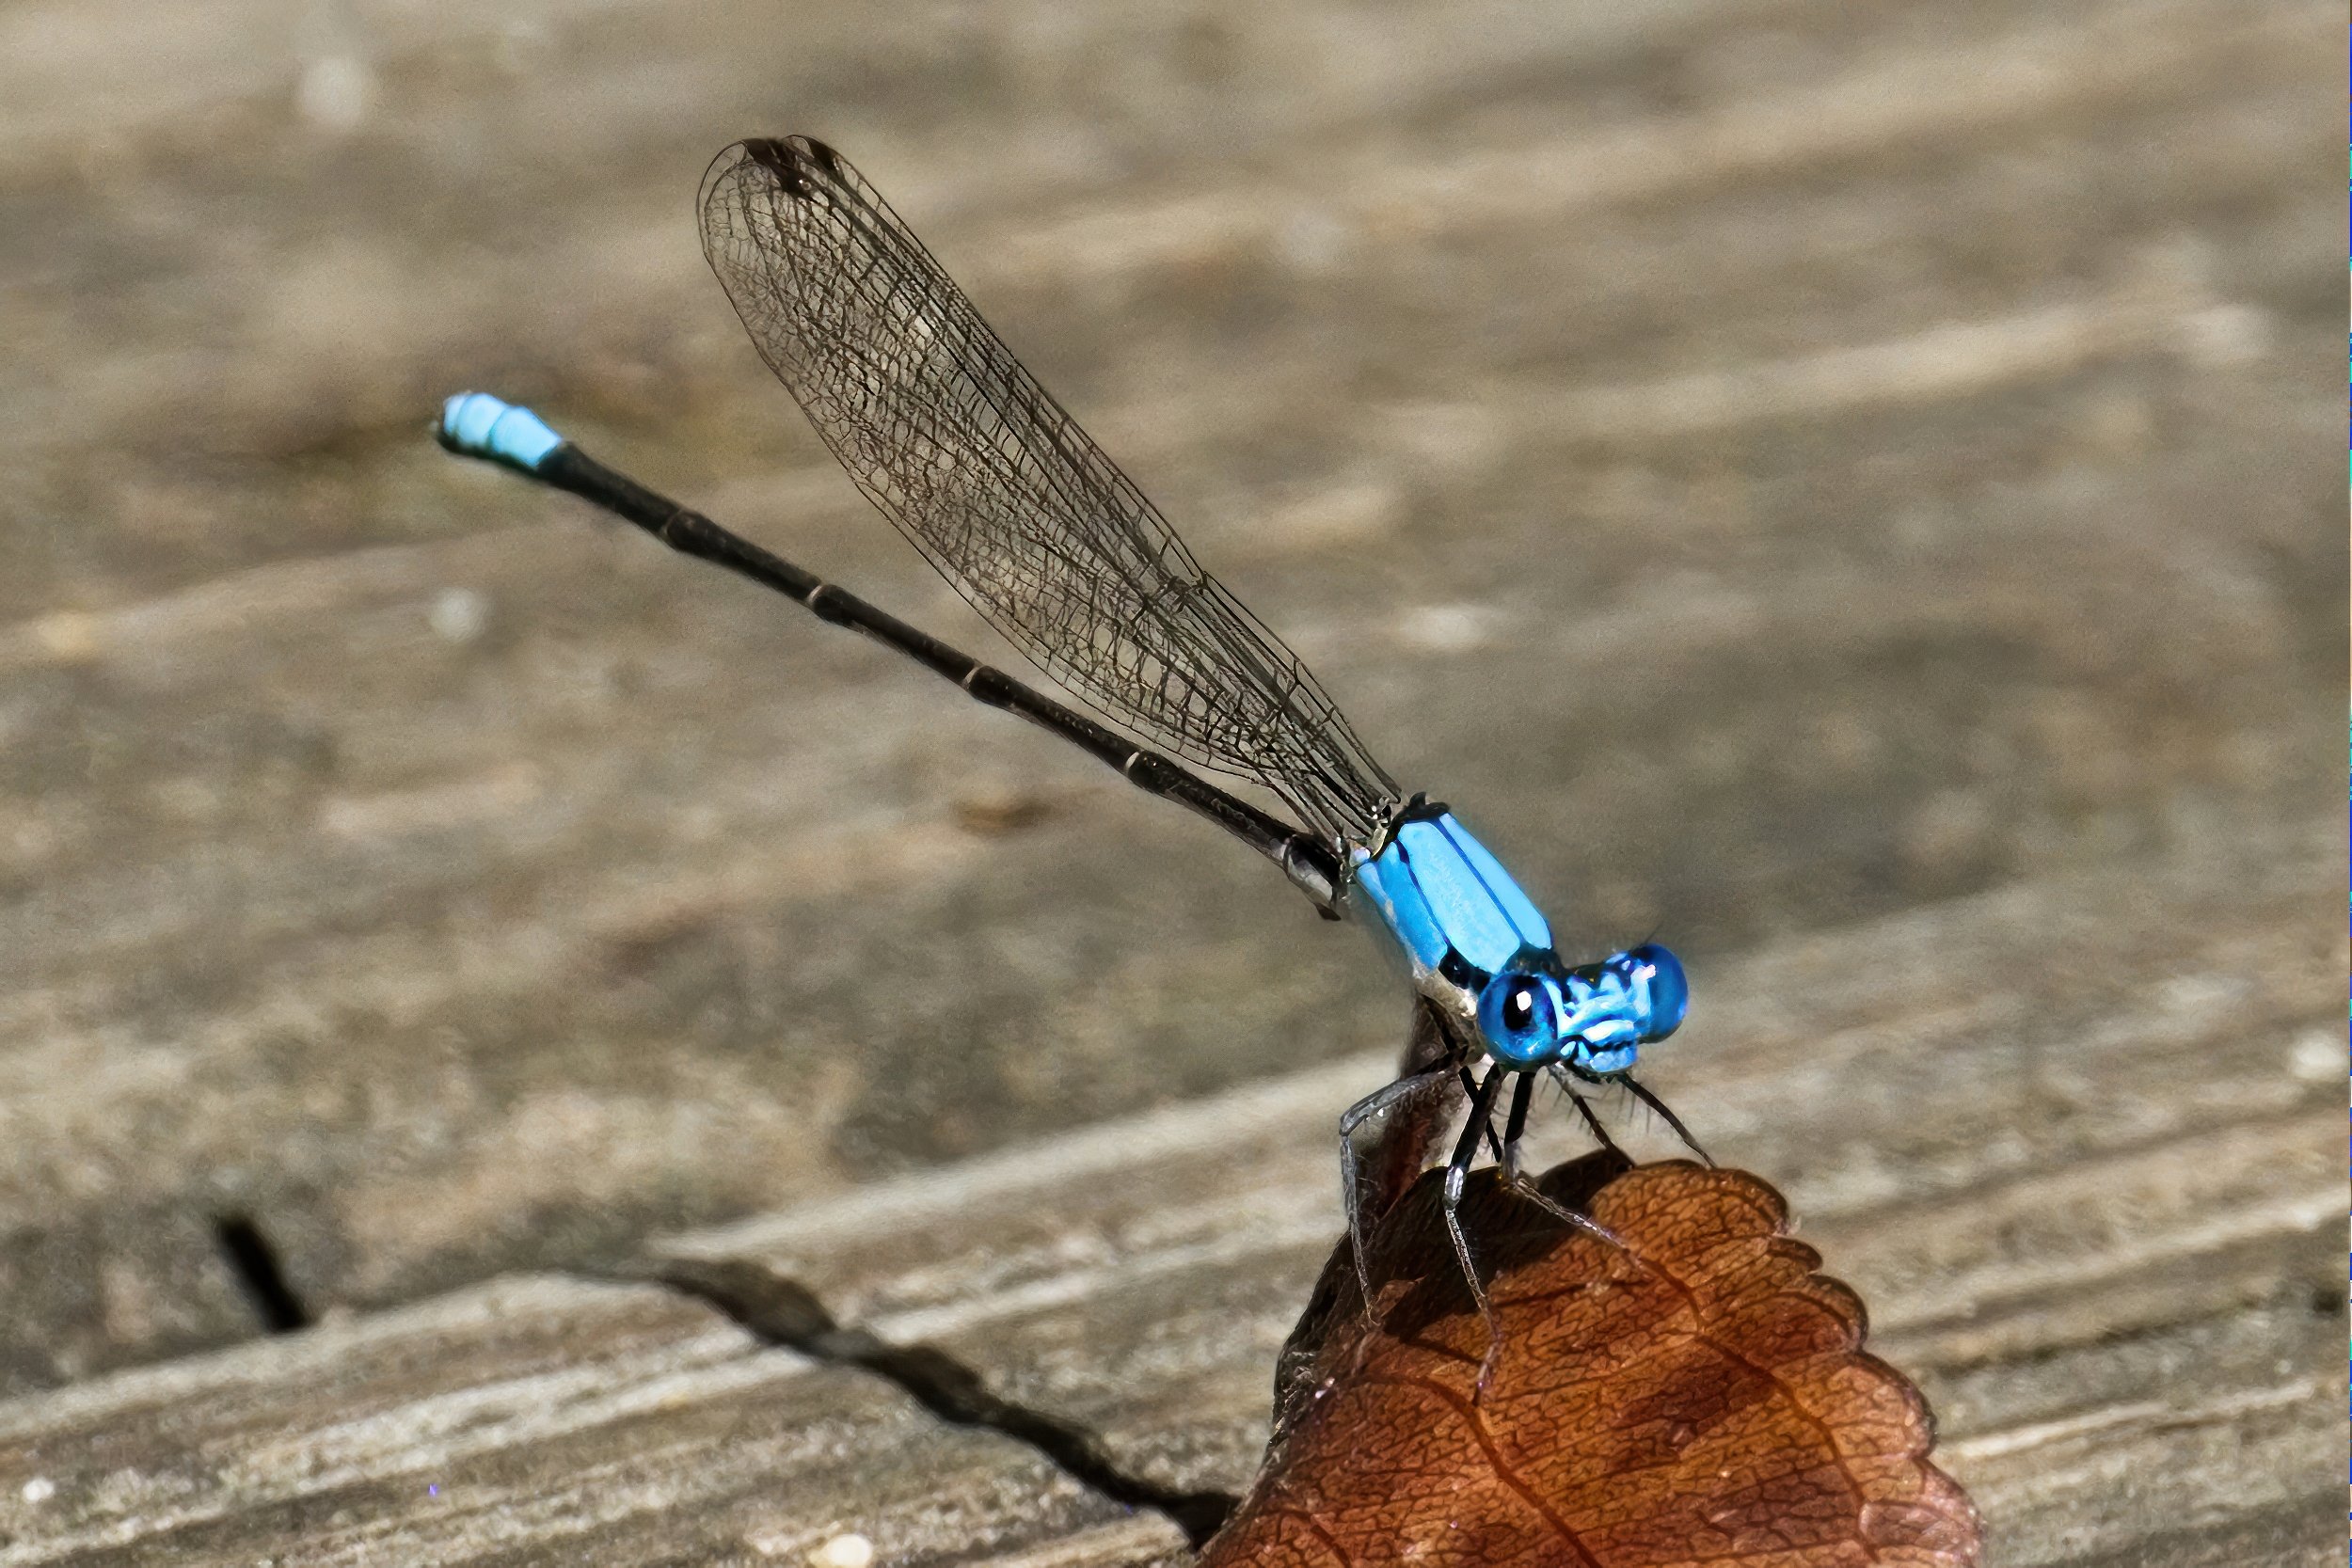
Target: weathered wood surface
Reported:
point(2113, 1269)
point(1780, 468)
point(1769, 464)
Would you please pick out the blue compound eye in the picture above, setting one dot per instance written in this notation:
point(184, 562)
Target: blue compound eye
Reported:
point(1657, 974)
point(1519, 1016)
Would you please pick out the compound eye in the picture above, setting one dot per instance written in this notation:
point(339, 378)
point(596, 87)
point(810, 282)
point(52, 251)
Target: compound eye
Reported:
point(1519, 1016)
point(1668, 989)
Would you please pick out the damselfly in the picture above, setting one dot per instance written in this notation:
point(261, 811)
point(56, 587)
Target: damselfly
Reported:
point(958, 446)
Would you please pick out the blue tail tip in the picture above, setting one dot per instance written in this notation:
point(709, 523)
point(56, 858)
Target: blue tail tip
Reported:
point(480, 425)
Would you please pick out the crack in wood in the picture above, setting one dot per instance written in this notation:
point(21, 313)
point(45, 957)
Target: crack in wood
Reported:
point(782, 1312)
point(254, 1261)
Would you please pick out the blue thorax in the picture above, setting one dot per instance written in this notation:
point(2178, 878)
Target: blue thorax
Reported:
point(1479, 945)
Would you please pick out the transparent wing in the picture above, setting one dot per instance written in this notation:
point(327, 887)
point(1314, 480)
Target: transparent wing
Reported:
point(943, 429)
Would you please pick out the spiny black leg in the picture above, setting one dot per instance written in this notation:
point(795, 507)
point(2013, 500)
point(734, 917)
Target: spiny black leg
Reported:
point(1456, 1174)
point(1351, 1174)
point(1514, 1125)
point(1584, 1109)
point(1408, 1142)
point(1470, 1088)
point(1672, 1120)
point(1523, 1187)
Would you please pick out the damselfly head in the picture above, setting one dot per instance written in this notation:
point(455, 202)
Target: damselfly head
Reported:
point(1614, 1007)
point(1592, 1020)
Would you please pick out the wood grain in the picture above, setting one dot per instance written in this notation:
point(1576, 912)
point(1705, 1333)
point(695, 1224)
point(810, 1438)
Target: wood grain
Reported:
point(2124, 1314)
point(1836, 486)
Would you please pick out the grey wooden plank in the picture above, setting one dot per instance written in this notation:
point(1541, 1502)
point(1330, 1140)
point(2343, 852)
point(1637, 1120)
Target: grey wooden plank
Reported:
point(2213, 1439)
point(2126, 1307)
point(524, 1420)
point(1769, 474)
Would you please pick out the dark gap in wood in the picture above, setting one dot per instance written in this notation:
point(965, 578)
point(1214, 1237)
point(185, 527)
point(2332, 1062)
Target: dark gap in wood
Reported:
point(782, 1312)
point(254, 1261)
